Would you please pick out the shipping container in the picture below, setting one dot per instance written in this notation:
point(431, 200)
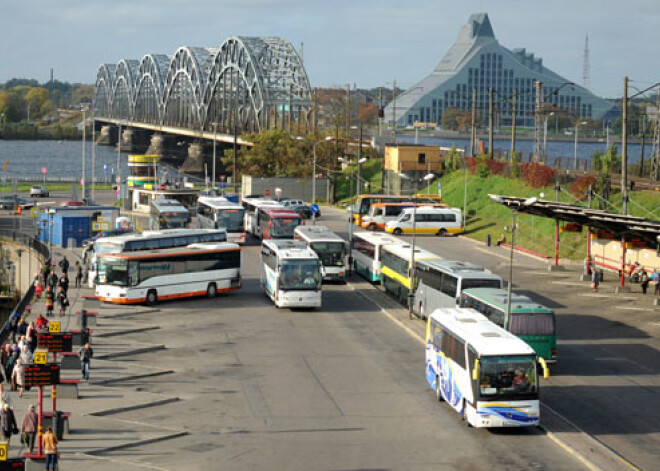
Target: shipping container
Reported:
point(64, 228)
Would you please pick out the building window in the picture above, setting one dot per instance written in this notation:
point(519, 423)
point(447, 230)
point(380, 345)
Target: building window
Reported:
point(421, 158)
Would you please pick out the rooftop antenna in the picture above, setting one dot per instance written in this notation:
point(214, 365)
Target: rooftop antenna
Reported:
point(586, 72)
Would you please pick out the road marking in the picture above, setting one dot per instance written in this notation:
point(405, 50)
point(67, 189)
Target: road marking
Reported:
point(505, 257)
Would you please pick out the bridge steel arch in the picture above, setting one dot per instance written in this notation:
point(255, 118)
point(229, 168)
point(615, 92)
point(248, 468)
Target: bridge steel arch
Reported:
point(149, 86)
point(123, 90)
point(247, 84)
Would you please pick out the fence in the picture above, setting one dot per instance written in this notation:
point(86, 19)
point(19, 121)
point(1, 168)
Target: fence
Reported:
point(29, 241)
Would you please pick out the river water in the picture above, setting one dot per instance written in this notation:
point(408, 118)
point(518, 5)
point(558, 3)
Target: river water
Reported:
point(63, 159)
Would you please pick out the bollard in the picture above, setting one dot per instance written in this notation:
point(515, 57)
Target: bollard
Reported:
point(487, 240)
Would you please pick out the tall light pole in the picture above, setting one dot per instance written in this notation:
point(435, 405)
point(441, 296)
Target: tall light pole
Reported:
point(93, 157)
point(328, 138)
point(84, 154)
point(119, 162)
point(575, 157)
point(350, 224)
point(215, 128)
point(545, 135)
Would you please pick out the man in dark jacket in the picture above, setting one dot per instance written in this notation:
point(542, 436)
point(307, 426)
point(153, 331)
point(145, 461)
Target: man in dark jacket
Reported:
point(85, 353)
point(64, 265)
point(7, 423)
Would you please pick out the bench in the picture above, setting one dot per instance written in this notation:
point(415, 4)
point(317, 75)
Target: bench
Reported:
point(70, 361)
point(68, 389)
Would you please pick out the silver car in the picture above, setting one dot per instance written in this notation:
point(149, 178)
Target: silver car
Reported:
point(39, 191)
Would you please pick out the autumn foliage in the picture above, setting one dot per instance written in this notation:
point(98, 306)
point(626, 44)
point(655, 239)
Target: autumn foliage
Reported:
point(537, 175)
point(581, 185)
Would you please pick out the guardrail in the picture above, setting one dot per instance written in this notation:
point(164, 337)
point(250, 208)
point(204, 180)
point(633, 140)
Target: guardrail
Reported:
point(32, 242)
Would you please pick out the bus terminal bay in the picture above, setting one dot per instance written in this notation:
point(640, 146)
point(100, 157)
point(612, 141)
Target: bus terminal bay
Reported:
point(235, 382)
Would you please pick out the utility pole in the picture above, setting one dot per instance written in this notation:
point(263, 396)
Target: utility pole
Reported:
point(380, 107)
point(513, 124)
point(473, 133)
point(316, 113)
point(537, 121)
point(235, 171)
point(491, 122)
point(624, 148)
point(394, 112)
point(359, 184)
point(348, 103)
point(290, 109)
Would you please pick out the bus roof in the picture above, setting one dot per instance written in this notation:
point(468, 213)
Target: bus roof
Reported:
point(487, 338)
point(281, 212)
point(165, 204)
point(317, 233)
point(459, 268)
point(291, 249)
point(411, 203)
point(188, 249)
point(498, 298)
point(403, 251)
point(426, 208)
point(378, 238)
point(217, 202)
point(157, 235)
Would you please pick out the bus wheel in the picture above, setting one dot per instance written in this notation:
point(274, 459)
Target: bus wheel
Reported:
point(371, 227)
point(152, 298)
point(438, 392)
point(398, 231)
point(442, 232)
point(211, 291)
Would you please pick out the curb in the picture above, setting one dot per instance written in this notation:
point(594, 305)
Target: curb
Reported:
point(130, 378)
point(146, 441)
point(144, 405)
point(135, 351)
point(126, 331)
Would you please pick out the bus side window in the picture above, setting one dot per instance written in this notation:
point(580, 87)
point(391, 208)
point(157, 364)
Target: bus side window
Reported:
point(449, 285)
point(436, 335)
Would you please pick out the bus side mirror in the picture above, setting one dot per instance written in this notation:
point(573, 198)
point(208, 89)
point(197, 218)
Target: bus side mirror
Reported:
point(475, 370)
point(544, 365)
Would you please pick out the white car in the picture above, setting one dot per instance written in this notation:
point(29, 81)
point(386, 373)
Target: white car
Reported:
point(39, 191)
point(291, 202)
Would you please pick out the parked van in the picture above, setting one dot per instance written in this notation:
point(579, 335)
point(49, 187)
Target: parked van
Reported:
point(428, 220)
point(381, 213)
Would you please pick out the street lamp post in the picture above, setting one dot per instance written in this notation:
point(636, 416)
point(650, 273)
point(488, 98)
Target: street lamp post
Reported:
point(575, 157)
point(215, 127)
point(84, 180)
point(545, 135)
point(347, 160)
point(119, 162)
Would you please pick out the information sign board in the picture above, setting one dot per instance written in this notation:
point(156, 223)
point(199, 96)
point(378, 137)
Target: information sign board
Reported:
point(58, 343)
point(12, 464)
point(54, 327)
point(42, 375)
point(41, 357)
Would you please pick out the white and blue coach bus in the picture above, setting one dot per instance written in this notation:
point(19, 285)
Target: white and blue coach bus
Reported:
point(486, 374)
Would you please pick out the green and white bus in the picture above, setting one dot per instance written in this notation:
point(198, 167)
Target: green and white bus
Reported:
point(531, 321)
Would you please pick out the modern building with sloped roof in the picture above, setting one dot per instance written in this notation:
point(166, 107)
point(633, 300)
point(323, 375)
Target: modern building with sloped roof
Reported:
point(478, 61)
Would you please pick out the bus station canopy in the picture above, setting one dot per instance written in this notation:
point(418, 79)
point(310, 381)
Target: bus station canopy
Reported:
point(617, 224)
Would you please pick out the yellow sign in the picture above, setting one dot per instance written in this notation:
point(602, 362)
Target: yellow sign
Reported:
point(4, 451)
point(40, 357)
point(54, 327)
point(34, 212)
point(100, 219)
point(100, 226)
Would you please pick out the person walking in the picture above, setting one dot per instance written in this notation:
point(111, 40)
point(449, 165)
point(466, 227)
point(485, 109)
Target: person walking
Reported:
point(50, 295)
point(8, 425)
point(9, 370)
point(85, 353)
point(52, 280)
point(595, 278)
point(29, 427)
point(64, 265)
point(79, 274)
point(18, 377)
point(49, 441)
point(62, 300)
point(64, 283)
point(4, 397)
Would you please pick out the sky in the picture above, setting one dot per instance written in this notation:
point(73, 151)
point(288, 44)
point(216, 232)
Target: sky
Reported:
point(368, 43)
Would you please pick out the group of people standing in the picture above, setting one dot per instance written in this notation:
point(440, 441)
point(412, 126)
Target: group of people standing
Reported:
point(57, 287)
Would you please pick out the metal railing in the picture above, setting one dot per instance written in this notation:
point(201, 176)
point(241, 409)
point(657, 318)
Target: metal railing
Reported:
point(26, 239)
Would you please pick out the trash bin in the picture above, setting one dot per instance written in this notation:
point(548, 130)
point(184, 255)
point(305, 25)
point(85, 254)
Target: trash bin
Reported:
point(58, 425)
point(82, 319)
point(488, 240)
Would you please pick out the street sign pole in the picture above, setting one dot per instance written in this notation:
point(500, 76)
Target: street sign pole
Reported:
point(40, 427)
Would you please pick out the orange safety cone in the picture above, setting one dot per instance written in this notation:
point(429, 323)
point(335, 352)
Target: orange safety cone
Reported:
point(20, 209)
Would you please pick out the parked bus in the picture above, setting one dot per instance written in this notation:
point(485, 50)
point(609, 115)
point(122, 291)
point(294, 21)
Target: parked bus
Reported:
point(278, 223)
point(290, 273)
point(485, 373)
point(151, 240)
point(366, 253)
point(220, 213)
point(532, 322)
point(440, 283)
point(428, 220)
point(148, 276)
point(381, 213)
point(330, 248)
point(364, 202)
point(396, 269)
point(253, 208)
point(167, 214)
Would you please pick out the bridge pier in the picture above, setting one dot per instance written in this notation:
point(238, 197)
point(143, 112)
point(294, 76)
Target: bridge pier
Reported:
point(194, 163)
point(156, 144)
point(105, 136)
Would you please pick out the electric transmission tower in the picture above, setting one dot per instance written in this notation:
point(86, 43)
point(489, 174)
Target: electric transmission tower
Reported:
point(586, 72)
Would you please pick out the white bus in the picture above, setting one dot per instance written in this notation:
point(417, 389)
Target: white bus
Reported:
point(290, 273)
point(441, 282)
point(167, 214)
point(330, 248)
point(252, 212)
point(366, 253)
point(220, 213)
point(150, 240)
point(488, 375)
point(396, 272)
point(148, 276)
point(428, 220)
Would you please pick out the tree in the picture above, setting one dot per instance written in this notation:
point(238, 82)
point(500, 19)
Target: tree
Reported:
point(367, 113)
point(37, 98)
point(455, 119)
point(452, 160)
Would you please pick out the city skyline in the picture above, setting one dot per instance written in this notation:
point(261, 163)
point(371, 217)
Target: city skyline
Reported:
point(397, 42)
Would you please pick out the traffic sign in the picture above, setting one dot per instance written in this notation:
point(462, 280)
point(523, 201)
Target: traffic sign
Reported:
point(41, 357)
point(266, 192)
point(54, 327)
point(34, 212)
point(314, 208)
point(44, 170)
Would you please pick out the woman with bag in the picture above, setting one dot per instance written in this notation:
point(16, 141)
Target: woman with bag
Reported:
point(62, 300)
point(29, 427)
point(8, 425)
point(18, 377)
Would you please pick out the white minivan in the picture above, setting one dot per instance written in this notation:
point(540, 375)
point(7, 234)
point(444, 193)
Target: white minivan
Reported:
point(428, 220)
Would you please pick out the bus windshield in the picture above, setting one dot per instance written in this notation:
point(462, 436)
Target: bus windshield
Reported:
point(330, 253)
point(230, 219)
point(170, 221)
point(530, 323)
point(100, 247)
point(300, 275)
point(117, 272)
point(511, 377)
point(283, 228)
